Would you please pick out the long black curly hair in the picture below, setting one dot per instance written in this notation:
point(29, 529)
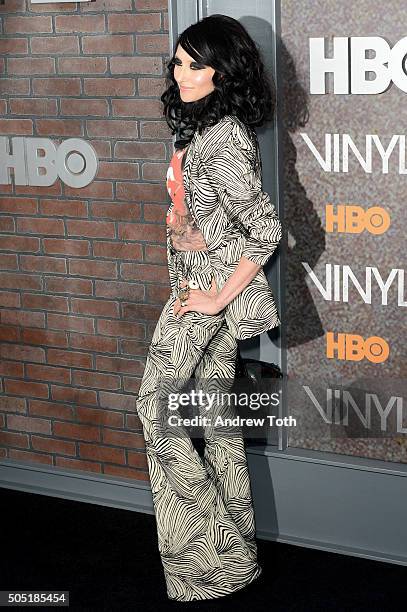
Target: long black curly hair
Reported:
point(241, 85)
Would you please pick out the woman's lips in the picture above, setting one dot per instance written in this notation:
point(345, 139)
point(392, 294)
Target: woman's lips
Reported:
point(186, 88)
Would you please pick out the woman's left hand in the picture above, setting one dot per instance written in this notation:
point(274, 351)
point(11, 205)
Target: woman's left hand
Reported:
point(205, 302)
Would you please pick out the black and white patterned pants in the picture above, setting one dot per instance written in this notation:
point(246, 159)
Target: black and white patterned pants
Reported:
point(203, 504)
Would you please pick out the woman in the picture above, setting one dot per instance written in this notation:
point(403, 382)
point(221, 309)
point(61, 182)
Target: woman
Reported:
point(221, 230)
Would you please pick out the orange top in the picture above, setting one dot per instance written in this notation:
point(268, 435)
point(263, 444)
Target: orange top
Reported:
point(184, 233)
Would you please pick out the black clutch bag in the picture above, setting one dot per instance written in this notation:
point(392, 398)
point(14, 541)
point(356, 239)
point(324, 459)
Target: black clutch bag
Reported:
point(252, 378)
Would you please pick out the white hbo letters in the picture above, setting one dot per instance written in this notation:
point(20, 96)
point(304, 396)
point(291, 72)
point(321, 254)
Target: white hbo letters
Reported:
point(75, 162)
point(349, 60)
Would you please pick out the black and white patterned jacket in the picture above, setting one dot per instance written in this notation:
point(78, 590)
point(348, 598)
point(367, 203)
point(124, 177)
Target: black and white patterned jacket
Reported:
point(223, 190)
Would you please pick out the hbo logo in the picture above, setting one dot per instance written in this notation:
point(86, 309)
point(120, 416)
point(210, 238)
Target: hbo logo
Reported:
point(349, 65)
point(75, 162)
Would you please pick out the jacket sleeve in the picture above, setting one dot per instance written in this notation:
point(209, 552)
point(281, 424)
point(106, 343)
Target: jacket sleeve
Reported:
point(234, 172)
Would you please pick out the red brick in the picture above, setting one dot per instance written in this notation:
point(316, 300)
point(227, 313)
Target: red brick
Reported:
point(146, 107)
point(108, 87)
point(97, 189)
point(108, 5)
point(25, 319)
point(121, 328)
point(116, 400)
point(151, 5)
point(31, 65)
point(16, 127)
point(96, 416)
point(25, 423)
point(95, 380)
point(51, 410)
point(82, 65)
point(155, 129)
point(106, 43)
point(64, 208)
point(138, 460)
point(151, 86)
point(44, 337)
point(118, 170)
point(65, 246)
point(14, 439)
point(6, 224)
point(134, 348)
point(92, 229)
point(79, 23)
point(113, 129)
point(15, 86)
point(9, 299)
point(141, 231)
point(114, 210)
point(52, 190)
point(139, 150)
point(119, 290)
point(30, 457)
point(13, 46)
point(19, 243)
point(10, 334)
point(119, 365)
point(20, 281)
point(75, 431)
point(152, 43)
point(134, 23)
point(127, 64)
point(33, 106)
point(40, 225)
point(59, 127)
point(144, 272)
point(45, 302)
point(117, 250)
point(48, 373)
point(26, 388)
point(54, 45)
point(93, 343)
point(149, 192)
point(69, 358)
point(102, 308)
point(73, 395)
point(57, 86)
point(76, 464)
point(76, 286)
point(12, 404)
point(22, 352)
point(141, 312)
point(103, 148)
point(38, 263)
point(154, 172)
point(8, 262)
point(18, 205)
point(123, 438)
point(71, 323)
point(97, 269)
point(27, 25)
point(123, 472)
point(84, 106)
point(53, 446)
point(102, 453)
point(11, 368)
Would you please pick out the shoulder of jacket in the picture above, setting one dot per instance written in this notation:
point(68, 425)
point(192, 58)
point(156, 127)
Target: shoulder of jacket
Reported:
point(229, 130)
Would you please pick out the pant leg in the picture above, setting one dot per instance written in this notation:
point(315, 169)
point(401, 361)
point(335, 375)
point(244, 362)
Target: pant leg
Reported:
point(224, 454)
point(202, 549)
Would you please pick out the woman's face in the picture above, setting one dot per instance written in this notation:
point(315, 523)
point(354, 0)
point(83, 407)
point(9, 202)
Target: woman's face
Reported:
point(194, 79)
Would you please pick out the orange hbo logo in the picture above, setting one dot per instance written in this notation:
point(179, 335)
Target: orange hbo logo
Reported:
point(352, 219)
point(353, 347)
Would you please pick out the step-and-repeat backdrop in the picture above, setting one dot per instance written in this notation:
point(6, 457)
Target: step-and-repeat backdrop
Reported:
point(344, 92)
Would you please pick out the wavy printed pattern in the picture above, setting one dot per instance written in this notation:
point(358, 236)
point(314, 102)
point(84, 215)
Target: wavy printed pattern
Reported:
point(203, 505)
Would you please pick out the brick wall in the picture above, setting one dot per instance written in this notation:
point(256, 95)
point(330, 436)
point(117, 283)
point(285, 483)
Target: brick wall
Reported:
point(83, 271)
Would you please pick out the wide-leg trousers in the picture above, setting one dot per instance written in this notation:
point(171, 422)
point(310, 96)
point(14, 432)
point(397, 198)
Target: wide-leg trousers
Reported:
point(203, 504)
